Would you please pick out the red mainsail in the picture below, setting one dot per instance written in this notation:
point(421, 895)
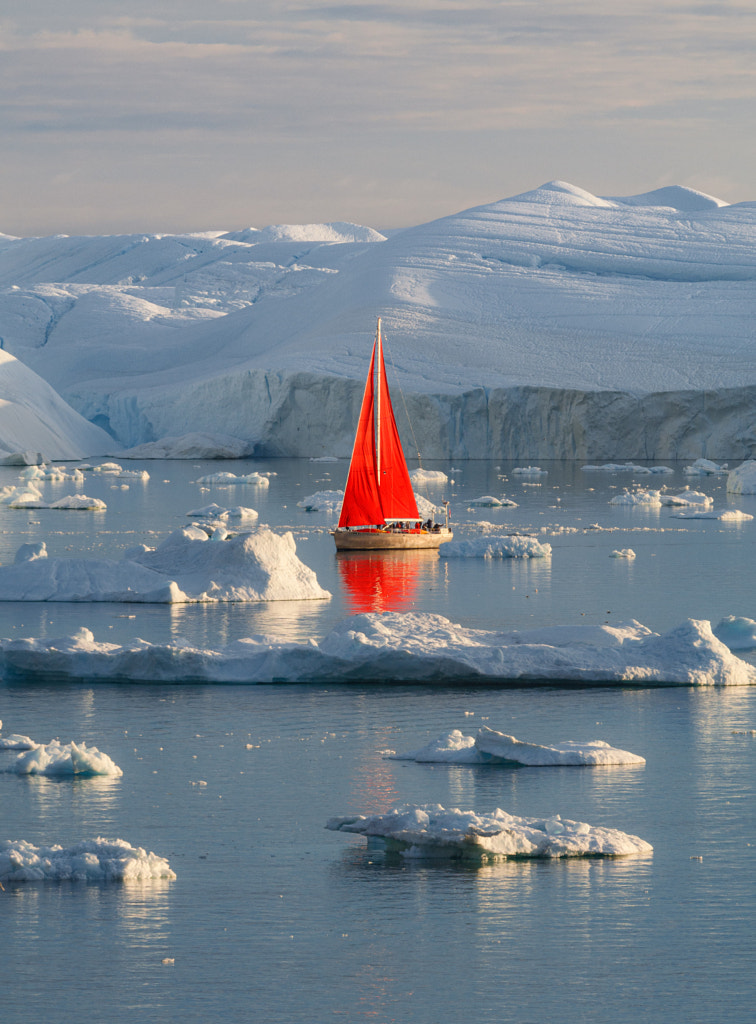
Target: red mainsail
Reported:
point(378, 486)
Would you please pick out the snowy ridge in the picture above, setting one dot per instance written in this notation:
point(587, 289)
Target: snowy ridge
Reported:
point(409, 647)
point(552, 324)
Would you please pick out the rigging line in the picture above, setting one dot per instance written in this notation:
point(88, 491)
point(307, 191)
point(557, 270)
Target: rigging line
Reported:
point(406, 410)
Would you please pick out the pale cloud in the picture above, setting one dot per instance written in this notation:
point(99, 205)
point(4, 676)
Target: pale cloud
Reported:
point(528, 85)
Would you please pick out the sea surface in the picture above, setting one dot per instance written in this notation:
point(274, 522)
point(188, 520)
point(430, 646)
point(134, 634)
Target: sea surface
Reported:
point(272, 917)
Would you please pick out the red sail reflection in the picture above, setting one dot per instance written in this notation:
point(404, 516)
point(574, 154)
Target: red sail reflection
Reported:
point(384, 581)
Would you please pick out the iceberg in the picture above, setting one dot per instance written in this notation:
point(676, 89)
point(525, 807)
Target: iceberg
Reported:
point(191, 565)
point(16, 742)
point(400, 647)
point(429, 831)
point(63, 759)
point(742, 479)
point(489, 501)
point(322, 501)
point(492, 747)
point(647, 499)
point(93, 860)
point(737, 632)
point(214, 511)
point(191, 446)
point(231, 479)
point(724, 515)
point(507, 546)
point(520, 329)
point(626, 553)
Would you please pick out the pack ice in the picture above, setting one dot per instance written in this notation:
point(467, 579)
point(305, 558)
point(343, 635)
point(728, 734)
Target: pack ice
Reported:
point(402, 647)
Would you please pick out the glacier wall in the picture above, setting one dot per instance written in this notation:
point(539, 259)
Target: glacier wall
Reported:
point(304, 414)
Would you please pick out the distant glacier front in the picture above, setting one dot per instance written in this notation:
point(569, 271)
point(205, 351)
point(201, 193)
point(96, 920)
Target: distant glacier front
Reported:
point(550, 325)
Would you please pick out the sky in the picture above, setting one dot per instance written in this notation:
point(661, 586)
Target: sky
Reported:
point(186, 115)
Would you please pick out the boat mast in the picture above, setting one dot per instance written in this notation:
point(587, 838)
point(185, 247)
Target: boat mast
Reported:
point(377, 369)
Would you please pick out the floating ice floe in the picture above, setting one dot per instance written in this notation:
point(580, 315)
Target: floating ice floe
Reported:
point(724, 515)
point(529, 471)
point(488, 501)
point(401, 647)
point(191, 565)
point(427, 477)
point(507, 546)
point(742, 479)
point(737, 632)
point(649, 499)
point(93, 860)
point(687, 498)
point(324, 458)
point(628, 467)
point(214, 511)
point(705, 467)
point(61, 759)
point(492, 747)
point(322, 501)
point(196, 445)
point(627, 553)
point(231, 479)
point(431, 831)
point(31, 497)
point(113, 469)
point(16, 742)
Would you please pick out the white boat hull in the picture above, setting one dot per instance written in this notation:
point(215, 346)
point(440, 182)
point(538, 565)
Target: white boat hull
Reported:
point(388, 540)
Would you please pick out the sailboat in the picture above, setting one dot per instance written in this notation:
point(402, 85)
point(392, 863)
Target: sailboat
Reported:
point(379, 511)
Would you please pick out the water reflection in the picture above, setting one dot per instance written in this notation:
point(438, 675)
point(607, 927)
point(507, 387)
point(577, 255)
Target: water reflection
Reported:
point(386, 582)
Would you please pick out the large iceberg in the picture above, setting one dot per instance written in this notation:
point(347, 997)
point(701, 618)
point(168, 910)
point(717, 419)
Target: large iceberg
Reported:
point(431, 831)
point(551, 324)
point(402, 647)
point(92, 860)
point(191, 565)
point(34, 420)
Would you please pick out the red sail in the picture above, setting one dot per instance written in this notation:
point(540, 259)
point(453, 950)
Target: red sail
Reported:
point(362, 504)
point(394, 486)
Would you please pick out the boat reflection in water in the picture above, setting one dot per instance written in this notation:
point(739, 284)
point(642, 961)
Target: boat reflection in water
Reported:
point(388, 581)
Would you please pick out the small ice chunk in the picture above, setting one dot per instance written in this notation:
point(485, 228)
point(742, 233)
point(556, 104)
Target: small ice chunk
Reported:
point(623, 553)
point(60, 759)
point(93, 860)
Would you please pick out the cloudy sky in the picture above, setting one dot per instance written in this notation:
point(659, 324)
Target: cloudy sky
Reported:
point(164, 115)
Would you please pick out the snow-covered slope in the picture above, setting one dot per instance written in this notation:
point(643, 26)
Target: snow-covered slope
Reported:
point(551, 324)
point(33, 418)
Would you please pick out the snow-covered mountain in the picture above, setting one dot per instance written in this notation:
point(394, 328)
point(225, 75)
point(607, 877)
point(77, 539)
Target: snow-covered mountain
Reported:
point(551, 324)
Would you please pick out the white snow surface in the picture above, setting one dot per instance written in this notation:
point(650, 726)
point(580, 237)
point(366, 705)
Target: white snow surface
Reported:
point(190, 565)
point(491, 747)
point(431, 831)
point(552, 324)
point(64, 759)
point(92, 860)
point(405, 647)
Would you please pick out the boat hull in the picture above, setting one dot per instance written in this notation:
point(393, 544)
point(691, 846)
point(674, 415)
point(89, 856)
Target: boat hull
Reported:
point(386, 540)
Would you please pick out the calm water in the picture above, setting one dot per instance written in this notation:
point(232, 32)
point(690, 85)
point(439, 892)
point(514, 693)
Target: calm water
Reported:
point(273, 918)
